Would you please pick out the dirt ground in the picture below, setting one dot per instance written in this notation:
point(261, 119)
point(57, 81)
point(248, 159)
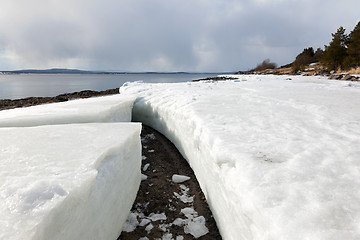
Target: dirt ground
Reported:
point(158, 194)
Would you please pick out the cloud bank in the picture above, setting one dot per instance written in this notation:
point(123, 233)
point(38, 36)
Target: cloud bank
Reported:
point(174, 35)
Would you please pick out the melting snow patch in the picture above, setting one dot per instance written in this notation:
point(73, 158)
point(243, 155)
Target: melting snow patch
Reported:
point(179, 178)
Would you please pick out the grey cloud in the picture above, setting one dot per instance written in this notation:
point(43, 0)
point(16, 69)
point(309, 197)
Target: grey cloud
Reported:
point(165, 35)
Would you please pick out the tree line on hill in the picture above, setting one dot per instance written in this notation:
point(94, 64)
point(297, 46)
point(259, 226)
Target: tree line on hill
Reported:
point(343, 52)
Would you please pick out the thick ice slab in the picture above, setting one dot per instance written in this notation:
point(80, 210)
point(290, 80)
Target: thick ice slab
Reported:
point(75, 181)
point(114, 108)
point(276, 156)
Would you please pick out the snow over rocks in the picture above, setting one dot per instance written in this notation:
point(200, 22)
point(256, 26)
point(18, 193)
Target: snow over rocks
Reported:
point(275, 159)
point(115, 108)
point(75, 181)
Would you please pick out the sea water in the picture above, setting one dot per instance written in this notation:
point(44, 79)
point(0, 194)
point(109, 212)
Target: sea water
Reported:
point(15, 86)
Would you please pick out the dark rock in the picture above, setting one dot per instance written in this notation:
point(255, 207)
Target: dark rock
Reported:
point(336, 76)
point(215, 79)
point(346, 77)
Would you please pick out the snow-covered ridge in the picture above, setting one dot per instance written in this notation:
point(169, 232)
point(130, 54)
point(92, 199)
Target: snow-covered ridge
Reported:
point(114, 108)
point(276, 156)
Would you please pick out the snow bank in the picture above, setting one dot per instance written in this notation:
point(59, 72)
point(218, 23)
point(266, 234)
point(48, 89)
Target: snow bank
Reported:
point(115, 108)
point(276, 156)
point(75, 181)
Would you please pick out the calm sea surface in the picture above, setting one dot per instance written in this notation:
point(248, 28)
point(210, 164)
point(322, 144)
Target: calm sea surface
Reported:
point(15, 86)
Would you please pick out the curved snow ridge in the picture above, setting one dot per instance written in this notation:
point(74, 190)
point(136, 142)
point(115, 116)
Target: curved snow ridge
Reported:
point(276, 158)
point(74, 181)
point(114, 108)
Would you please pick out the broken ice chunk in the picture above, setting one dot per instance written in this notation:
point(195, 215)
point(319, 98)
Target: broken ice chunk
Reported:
point(158, 216)
point(146, 167)
point(151, 136)
point(184, 198)
point(131, 223)
point(144, 222)
point(143, 177)
point(167, 236)
point(149, 227)
point(179, 178)
point(196, 227)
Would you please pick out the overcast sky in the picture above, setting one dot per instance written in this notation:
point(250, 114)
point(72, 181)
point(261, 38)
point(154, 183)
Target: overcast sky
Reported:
point(165, 35)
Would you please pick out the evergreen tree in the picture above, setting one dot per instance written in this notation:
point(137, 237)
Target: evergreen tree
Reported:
point(318, 54)
point(303, 59)
point(353, 50)
point(335, 54)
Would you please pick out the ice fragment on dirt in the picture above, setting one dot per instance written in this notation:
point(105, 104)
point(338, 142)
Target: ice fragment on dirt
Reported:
point(157, 216)
point(167, 236)
point(143, 177)
point(196, 227)
point(131, 223)
point(149, 227)
point(146, 167)
point(144, 222)
point(179, 178)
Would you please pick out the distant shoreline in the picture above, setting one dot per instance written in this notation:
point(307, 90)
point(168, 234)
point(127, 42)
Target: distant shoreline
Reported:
point(78, 71)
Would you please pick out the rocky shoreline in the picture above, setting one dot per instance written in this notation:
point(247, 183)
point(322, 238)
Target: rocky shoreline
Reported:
point(331, 76)
point(32, 101)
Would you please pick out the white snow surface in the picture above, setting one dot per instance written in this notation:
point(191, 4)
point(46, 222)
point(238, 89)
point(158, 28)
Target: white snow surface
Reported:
point(113, 108)
point(276, 159)
point(74, 181)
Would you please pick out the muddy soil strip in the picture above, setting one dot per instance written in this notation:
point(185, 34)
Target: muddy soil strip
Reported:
point(165, 209)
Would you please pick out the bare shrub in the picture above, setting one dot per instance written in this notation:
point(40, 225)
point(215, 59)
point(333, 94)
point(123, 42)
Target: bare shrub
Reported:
point(266, 64)
point(354, 70)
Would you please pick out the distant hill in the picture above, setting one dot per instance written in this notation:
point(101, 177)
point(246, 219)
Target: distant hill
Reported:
point(58, 71)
